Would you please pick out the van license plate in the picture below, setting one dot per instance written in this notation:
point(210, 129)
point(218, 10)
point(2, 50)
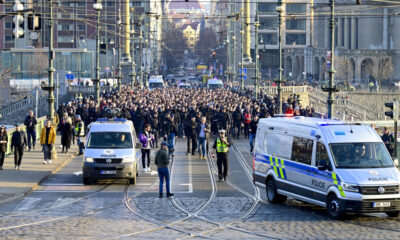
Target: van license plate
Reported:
point(381, 204)
point(108, 172)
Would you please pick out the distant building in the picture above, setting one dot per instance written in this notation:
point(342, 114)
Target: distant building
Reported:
point(191, 31)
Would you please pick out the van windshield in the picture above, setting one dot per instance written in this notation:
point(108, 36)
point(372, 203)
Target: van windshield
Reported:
point(361, 155)
point(155, 85)
point(214, 86)
point(110, 140)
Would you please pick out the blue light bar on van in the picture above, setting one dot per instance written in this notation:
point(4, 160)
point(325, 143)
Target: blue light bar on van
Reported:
point(111, 120)
point(340, 133)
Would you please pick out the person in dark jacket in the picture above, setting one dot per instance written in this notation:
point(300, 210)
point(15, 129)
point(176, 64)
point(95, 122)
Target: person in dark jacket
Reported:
point(253, 131)
point(171, 132)
point(30, 123)
point(202, 130)
point(3, 145)
point(65, 128)
point(162, 162)
point(18, 143)
point(237, 122)
point(388, 139)
point(191, 135)
point(223, 119)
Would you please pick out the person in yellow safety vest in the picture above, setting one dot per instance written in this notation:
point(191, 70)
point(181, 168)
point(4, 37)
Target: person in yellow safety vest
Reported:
point(79, 133)
point(221, 146)
point(371, 86)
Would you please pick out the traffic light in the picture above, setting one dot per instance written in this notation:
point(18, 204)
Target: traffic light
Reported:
point(18, 20)
point(34, 22)
point(394, 107)
point(213, 54)
point(103, 48)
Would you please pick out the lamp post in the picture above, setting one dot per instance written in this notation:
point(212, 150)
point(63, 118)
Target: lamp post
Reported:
point(256, 78)
point(141, 56)
point(97, 7)
point(51, 69)
point(234, 59)
point(119, 76)
point(279, 9)
point(241, 52)
point(133, 64)
point(227, 45)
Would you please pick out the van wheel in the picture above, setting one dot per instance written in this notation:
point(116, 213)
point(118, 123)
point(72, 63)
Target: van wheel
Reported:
point(393, 214)
point(272, 195)
point(132, 180)
point(86, 181)
point(333, 207)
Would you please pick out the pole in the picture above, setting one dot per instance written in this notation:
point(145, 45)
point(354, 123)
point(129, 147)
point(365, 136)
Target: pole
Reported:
point(126, 55)
point(119, 77)
point(395, 118)
point(241, 52)
point(133, 65)
point(256, 25)
point(141, 56)
point(51, 69)
point(37, 102)
point(331, 71)
point(57, 88)
point(247, 55)
point(279, 82)
point(227, 64)
point(97, 77)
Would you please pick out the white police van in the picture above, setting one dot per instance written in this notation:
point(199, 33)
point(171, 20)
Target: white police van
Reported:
point(341, 166)
point(110, 151)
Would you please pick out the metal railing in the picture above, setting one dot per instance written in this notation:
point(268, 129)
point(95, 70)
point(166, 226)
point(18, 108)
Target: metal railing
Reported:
point(285, 89)
point(38, 129)
point(17, 106)
point(86, 89)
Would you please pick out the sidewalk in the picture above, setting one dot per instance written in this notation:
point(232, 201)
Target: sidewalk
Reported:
point(15, 184)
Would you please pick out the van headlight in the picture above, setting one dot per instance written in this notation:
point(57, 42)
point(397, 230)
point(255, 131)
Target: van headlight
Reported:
point(88, 159)
point(351, 187)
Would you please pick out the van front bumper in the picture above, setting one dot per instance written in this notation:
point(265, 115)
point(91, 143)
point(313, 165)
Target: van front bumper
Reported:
point(107, 171)
point(367, 205)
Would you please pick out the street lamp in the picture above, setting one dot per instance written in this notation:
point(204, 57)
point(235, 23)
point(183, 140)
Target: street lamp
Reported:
point(256, 25)
point(97, 7)
point(280, 10)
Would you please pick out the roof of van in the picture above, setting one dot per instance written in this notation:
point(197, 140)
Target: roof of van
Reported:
point(332, 131)
point(111, 126)
point(214, 81)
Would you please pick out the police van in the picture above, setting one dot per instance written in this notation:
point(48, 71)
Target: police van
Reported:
point(341, 166)
point(110, 151)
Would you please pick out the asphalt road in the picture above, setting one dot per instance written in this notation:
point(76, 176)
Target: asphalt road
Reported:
point(64, 208)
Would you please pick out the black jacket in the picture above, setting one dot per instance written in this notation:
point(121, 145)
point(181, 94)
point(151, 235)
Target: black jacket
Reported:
point(253, 126)
point(18, 139)
point(28, 121)
point(190, 129)
point(3, 146)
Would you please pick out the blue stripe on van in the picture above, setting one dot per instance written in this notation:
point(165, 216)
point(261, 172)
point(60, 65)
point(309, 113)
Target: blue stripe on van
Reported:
point(314, 172)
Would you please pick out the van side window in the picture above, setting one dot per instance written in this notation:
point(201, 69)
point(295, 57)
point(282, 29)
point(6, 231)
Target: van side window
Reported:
point(279, 145)
point(302, 150)
point(321, 154)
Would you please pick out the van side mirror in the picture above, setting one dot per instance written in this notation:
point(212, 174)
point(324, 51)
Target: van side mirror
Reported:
point(323, 165)
point(396, 162)
point(138, 145)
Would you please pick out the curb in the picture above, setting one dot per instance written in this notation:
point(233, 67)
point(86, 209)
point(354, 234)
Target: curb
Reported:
point(36, 185)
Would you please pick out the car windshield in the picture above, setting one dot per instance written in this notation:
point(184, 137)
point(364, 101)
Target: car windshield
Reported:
point(110, 140)
point(361, 155)
point(156, 85)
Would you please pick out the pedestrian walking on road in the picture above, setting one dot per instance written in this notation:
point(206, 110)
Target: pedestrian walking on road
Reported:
point(47, 140)
point(3, 145)
point(202, 130)
point(221, 146)
point(162, 162)
point(146, 139)
point(30, 123)
point(64, 127)
point(18, 143)
point(191, 135)
point(253, 131)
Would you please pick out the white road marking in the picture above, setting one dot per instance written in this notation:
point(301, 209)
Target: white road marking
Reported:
point(28, 203)
point(62, 184)
point(78, 173)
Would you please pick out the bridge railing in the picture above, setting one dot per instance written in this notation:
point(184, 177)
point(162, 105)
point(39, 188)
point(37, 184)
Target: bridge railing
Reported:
point(285, 89)
point(19, 105)
point(86, 89)
point(39, 126)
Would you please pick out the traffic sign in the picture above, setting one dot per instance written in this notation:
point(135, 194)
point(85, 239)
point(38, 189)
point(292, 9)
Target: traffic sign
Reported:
point(69, 76)
point(244, 73)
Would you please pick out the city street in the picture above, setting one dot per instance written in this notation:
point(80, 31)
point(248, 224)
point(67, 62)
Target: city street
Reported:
point(63, 208)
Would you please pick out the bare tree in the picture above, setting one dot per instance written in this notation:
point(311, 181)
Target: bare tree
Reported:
point(385, 70)
point(208, 40)
point(173, 44)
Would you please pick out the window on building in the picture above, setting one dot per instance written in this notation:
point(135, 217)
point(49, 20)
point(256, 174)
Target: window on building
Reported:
point(296, 24)
point(302, 150)
point(136, 4)
point(110, 3)
point(269, 38)
point(296, 8)
point(295, 39)
point(269, 23)
point(8, 38)
point(8, 25)
point(267, 8)
point(81, 27)
point(64, 39)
